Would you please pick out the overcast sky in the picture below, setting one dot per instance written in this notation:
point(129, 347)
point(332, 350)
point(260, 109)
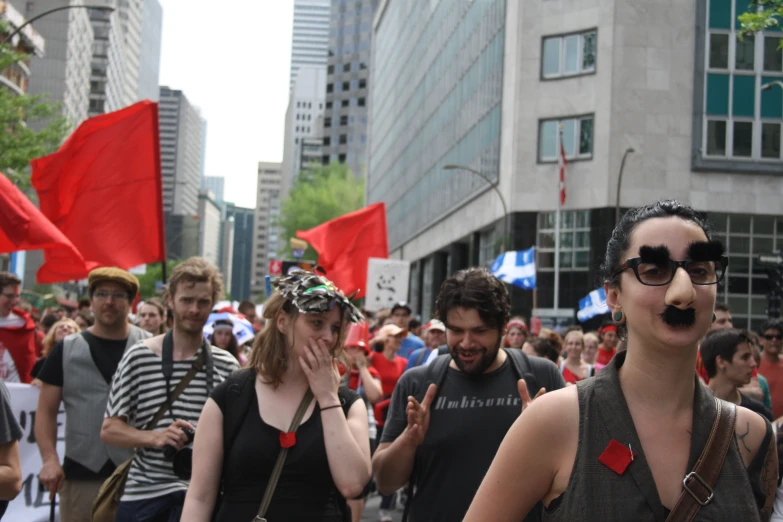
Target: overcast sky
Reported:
point(232, 59)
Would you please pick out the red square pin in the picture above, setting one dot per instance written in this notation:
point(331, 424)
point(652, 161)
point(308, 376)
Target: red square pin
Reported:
point(617, 457)
point(287, 439)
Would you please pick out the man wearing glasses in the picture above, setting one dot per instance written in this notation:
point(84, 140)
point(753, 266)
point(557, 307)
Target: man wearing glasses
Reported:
point(78, 372)
point(771, 366)
point(17, 333)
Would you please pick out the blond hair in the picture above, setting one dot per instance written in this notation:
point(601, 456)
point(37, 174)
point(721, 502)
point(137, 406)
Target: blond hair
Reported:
point(592, 336)
point(196, 270)
point(48, 340)
point(270, 355)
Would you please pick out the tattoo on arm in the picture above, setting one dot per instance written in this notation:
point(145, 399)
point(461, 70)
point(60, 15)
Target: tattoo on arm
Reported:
point(741, 438)
point(768, 480)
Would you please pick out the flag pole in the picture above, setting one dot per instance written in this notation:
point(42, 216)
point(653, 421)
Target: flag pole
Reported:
point(557, 224)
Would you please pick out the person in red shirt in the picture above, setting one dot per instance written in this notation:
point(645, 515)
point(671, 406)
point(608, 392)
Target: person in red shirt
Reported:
point(771, 366)
point(17, 333)
point(608, 346)
point(573, 368)
point(359, 374)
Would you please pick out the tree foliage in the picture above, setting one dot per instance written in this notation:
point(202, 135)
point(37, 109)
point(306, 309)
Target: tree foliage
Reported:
point(18, 142)
point(154, 274)
point(756, 20)
point(321, 193)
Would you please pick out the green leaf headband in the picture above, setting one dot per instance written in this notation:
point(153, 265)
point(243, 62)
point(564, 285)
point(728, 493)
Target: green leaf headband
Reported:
point(313, 293)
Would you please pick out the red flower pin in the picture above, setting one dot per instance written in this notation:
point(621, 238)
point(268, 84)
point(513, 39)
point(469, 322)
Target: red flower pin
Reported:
point(287, 439)
point(617, 457)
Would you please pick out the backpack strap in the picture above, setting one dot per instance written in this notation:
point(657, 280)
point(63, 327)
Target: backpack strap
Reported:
point(238, 399)
point(525, 370)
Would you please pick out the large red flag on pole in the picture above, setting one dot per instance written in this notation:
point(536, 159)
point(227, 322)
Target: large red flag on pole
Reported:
point(102, 189)
point(345, 245)
point(23, 227)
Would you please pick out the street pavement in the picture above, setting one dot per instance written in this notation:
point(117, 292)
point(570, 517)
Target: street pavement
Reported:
point(371, 510)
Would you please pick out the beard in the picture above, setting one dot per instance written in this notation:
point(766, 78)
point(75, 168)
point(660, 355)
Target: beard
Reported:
point(480, 364)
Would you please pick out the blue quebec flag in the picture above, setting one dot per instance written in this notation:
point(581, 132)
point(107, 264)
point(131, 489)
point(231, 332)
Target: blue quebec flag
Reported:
point(593, 304)
point(516, 268)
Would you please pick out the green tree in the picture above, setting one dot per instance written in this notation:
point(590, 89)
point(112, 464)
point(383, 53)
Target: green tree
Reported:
point(153, 275)
point(756, 20)
point(18, 142)
point(321, 193)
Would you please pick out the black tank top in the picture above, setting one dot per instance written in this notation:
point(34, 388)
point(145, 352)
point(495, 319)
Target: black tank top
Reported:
point(597, 493)
point(305, 490)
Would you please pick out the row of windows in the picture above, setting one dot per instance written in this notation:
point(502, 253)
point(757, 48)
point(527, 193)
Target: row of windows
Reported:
point(569, 55)
point(346, 67)
point(743, 139)
point(353, 102)
point(726, 52)
point(346, 86)
point(303, 129)
point(305, 117)
point(343, 139)
point(307, 105)
point(345, 120)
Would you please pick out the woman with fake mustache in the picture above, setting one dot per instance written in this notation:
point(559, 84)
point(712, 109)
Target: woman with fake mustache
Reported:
point(625, 444)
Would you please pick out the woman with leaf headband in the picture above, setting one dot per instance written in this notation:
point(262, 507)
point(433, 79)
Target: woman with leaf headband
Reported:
point(247, 423)
point(644, 440)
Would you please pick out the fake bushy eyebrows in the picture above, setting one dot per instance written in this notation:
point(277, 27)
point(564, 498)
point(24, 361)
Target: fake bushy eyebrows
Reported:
point(697, 251)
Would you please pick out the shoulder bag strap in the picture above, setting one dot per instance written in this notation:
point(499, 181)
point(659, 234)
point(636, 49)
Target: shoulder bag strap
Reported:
point(698, 483)
point(275, 476)
point(194, 369)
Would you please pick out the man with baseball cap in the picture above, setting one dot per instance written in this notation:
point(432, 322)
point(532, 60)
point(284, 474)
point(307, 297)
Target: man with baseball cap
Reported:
point(435, 334)
point(401, 316)
point(78, 372)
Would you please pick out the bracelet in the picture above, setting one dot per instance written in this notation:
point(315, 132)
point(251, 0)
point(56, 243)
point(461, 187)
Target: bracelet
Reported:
point(330, 407)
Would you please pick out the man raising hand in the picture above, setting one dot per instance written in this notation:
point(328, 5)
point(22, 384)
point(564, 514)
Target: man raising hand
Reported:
point(447, 420)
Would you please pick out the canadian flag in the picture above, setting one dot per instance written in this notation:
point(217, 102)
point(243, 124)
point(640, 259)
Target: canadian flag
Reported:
point(563, 163)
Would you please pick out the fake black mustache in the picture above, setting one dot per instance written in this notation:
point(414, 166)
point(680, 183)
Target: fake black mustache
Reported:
point(678, 318)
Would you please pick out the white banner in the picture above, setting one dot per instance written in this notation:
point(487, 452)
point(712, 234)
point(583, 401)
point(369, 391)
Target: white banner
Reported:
point(387, 283)
point(32, 504)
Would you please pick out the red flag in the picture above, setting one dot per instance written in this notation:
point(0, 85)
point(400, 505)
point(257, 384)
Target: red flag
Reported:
point(102, 189)
point(23, 227)
point(345, 244)
point(563, 164)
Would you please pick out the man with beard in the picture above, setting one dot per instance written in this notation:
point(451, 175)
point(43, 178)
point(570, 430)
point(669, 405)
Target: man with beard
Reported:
point(441, 438)
point(78, 372)
point(147, 376)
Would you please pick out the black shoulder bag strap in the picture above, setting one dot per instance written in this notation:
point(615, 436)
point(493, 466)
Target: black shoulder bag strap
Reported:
point(521, 363)
point(167, 354)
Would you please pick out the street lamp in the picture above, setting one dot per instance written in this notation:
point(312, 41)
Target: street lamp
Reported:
point(497, 191)
point(50, 11)
point(629, 150)
point(768, 86)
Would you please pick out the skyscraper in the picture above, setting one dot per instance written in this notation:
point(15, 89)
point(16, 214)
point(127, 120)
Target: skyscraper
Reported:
point(63, 73)
point(267, 216)
point(149, 60)
point(242, 262)
point(345, 115)
point(181, 154)
point(215, 184)
point(310, 39)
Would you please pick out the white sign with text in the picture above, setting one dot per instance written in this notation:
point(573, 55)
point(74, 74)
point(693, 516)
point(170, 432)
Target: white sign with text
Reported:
point(387, 283)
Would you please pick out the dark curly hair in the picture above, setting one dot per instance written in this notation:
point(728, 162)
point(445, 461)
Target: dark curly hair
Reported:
point(621, 236)
point(478, 289)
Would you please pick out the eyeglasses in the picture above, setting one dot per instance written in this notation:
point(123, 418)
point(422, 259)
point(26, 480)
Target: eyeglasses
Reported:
point(102, 295)
point(652, 274)
point(773, 337)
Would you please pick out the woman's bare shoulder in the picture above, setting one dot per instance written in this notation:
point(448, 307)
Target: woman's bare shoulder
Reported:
point(557, 410)
point(750, 431)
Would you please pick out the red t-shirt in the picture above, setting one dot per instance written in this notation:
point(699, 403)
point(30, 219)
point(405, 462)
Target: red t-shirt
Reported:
point(773, 372)
point(604, 356)
point(353, 378)
point(570, 376)
point(388, 371)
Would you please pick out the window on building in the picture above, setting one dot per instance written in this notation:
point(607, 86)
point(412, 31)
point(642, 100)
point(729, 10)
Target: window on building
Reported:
point(344, 120)
point(362, 102)
point(325, 159)
point(327, 141)
point(341, 158)
point(345, 103)
point(362, 84)
point(569, 55)
point(347, 67)
point(574, 241)
point(346, 86)
point(328, 105)
point(329, 87)
point(327, 122)
point(343, 139)
point(577, 137)
point(297, 116)
point(330, 69)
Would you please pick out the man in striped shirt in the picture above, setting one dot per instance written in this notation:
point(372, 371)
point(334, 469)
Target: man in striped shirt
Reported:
point(153, 491)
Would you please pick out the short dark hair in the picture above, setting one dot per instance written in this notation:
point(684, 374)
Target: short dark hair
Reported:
point(721, 342)
point(413, 323)
point(720, 307)
point(244, 305)
point(87, 318)
point(772, 324)
point(49, 319)
point(478, 289)
point(546, 348)
point(84, 303)
point(621, 236)
point(7, 278)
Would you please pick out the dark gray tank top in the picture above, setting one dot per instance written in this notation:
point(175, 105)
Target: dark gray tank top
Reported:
point(597, 493)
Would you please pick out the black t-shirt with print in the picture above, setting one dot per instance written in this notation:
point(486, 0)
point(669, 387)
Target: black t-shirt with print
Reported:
point(468, 420)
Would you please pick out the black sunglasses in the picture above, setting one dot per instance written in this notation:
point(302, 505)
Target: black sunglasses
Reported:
point(655, 274)
point(773, 337)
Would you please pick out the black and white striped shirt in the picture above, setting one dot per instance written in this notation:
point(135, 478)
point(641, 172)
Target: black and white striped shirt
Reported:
point(137, 392)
